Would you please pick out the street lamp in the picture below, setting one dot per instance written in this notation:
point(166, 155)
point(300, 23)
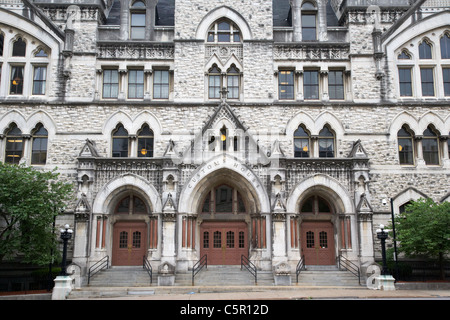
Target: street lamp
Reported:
point(394, 238)
point(66, 234)
point(383, 236)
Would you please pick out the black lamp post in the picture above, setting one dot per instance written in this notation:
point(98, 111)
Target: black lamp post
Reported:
point(383, 236)
point(66, 234)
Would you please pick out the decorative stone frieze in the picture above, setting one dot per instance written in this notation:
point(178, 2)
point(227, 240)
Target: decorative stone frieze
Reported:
point(134, 51)
point(296, 51)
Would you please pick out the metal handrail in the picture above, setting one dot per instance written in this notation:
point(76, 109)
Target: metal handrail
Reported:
point(198, 266)
point(98, 266)
point(250, 267)
point(148, 267)
point(300, 266)
point(349, 266)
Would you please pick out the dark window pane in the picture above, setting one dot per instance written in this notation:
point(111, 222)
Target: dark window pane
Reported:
point(336, 85)
point(425, 50)
point(311, 85)
point(404, 75)
point(39, 80)
point(427, 80)
point(446, 80)
point(110, 83)
point(405, 151)
point(161, 84)
point(19, 48)
point(16, 80)
point(445, 47)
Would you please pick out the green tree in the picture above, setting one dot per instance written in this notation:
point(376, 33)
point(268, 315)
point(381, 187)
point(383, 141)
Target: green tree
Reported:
point(30, 199)
point(423, 229)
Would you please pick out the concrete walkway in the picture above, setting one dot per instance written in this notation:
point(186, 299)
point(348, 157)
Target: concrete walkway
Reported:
point(269, 293)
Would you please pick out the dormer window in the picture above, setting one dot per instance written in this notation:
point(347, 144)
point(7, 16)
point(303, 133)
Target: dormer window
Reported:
point(309, 13)
point(137, 22)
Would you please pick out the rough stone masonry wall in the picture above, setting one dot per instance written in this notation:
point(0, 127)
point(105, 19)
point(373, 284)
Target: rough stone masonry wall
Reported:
point(370, 124)
point(257, 13)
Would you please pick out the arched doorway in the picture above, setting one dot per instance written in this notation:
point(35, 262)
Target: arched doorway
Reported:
point(223, 230)
point(129, 232)
point(317, 231)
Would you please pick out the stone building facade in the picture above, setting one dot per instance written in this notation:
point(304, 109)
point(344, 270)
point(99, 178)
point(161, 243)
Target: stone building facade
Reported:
point(278, 130)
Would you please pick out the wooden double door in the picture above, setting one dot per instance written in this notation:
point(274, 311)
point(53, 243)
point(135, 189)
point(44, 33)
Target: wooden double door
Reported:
point(318, 243)
point(224, 242)
point(129, 243)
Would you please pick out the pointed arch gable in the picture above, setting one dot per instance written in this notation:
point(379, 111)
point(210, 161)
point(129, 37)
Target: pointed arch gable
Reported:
point(405, 196)
point(401, 119)
point(116, 118)
point(148, 118)
point(328, 118)
point(104, 199)
point(431, 118)
point(224, 167)
point(44, 118)
point(297, 120)
point(223, 12)
point(320, 181)
point(14, 116)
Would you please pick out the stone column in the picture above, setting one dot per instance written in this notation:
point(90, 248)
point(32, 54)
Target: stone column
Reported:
point(124, 19)
point(296, 20)
point(279, 252)
point(169, 221)
point(322, 20)
point(150, 16)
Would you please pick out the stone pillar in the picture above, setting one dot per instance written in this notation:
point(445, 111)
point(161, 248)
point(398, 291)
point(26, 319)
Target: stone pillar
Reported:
point(169, 221)
point(322, 20)
point(296, 20)
point(81, 241)
point(150, 16)
point(124, 19)
point(279, 249)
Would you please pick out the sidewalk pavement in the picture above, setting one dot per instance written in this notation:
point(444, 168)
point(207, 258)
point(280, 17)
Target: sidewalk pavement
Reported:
point(301, 293)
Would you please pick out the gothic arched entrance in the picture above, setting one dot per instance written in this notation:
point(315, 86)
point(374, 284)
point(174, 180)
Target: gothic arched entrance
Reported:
point(317, 232)
point(224, 230)
point(129, 232)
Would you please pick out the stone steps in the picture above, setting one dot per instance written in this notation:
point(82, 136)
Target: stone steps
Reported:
point(128, 281)
point(224, 275)
point(122, 277)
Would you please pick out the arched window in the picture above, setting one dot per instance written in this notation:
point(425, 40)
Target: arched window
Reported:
point(326, 143)
point(145, 142)
point(137, 20)
point(430, 146)
point(19, 48)
point(404, 55)
point(39, 145)
point(120, 142)
point(445, 46)
point(233, 82)
point(14, 145)
point(425, 50)
point(131, 205)
point(214, 82)
point(223, 199)
point(315, 205)
point(309, 13)
point(301, 143)
point(404, 206)
point(405, 146)
point(224, 31)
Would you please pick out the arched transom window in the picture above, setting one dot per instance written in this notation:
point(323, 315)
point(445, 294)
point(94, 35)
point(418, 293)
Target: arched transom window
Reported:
point(223, 199)
point(224, 31)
